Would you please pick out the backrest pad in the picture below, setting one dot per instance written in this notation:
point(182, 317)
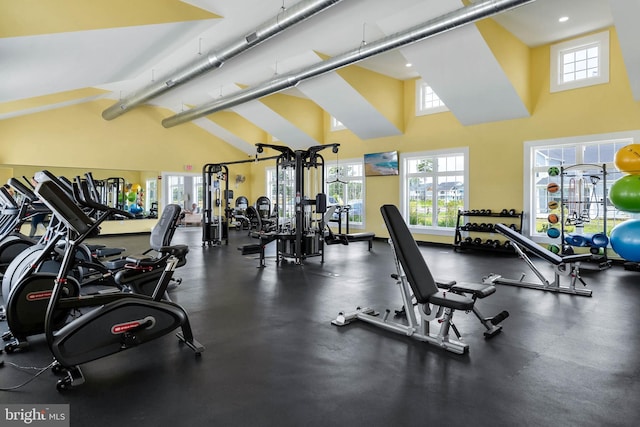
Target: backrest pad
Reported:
point(162, 233)
point(529, 244)
point(409, 256)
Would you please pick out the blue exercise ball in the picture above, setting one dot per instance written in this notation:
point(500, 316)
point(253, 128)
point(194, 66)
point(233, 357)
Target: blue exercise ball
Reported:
point(625, 240)
point(553, 232)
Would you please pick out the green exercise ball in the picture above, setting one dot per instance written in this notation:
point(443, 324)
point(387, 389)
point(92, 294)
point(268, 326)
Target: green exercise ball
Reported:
point(625, 193)
point(554, 248)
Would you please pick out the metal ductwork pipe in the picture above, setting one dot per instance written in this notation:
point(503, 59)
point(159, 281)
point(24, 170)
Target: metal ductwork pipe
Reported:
point(444, 23)
point(216, 58)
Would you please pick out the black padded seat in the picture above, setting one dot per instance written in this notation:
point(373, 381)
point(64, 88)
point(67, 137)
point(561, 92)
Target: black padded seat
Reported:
point(478, 290)
point(115, 264)
point(359, 237)
point(451, 300)
point(142, 260)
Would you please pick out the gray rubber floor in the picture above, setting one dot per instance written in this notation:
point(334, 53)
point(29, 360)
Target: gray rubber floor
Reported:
point(274, 359)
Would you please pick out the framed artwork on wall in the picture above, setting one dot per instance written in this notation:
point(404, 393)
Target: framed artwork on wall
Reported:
point(381, 164)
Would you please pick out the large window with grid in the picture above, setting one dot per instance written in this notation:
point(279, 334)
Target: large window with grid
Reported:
point(344, 182)
point(595, 150)
point(580, 62)
point(433, 188)
point(427, 101)
point(282, 198)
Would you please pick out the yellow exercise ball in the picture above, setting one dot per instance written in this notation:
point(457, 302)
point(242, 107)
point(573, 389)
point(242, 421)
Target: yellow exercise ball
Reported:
point(627, 159)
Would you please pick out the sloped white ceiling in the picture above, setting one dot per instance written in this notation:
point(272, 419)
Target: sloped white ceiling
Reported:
point(460, 68)
point(458, 64)
point(51, 63)
point(342, 101)
point(273, 123)
point(625, 15)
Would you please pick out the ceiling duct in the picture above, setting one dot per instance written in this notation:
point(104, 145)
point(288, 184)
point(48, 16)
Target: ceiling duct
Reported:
point(446, 22)
point(216, 58)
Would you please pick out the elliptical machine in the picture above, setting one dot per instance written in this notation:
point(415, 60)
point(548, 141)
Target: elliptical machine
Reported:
point(110, 323)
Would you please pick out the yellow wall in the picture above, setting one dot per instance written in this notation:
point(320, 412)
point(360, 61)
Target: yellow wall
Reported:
point(77, 135)
point(28, 17)
point(303, 113)
point(383, 92)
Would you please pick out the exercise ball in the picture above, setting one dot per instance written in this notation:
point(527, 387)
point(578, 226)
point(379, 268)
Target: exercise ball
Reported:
point(554, 248)
point(627, 159)
point(553, 171)
point(625, 240)
point(552, 187)
point(553, 204)
point(553, 218)
point(553, 232)
point(135, 209)
point(131, 197)
point(625, 193)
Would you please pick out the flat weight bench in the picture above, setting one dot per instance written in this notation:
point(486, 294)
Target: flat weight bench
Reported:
point(568, 265)
point(361, 237)
point(332, 238)
point(415, 281)
point(258, 248)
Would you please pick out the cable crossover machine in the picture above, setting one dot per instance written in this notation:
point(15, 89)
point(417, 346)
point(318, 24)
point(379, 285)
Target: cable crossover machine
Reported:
point(217, 197)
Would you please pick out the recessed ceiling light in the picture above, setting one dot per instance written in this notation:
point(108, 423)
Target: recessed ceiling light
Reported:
point(408, 64)
point(563, 19)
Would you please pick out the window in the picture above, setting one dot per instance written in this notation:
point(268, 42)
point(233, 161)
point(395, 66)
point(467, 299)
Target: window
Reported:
point(151, 195)
point(589, 150)
point(580, 62)
point(283, 198)
point(336, 124)
point(427, 101)
point(433, 189)
point(184, 189)
point(176, 190)
point(344, 185)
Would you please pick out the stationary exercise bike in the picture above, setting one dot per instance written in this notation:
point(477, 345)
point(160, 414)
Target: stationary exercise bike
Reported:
point(14, 214)
point(110, 323)
point(27, 300)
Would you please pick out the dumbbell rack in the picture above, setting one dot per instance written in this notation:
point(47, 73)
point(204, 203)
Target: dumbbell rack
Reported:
point(470, 225)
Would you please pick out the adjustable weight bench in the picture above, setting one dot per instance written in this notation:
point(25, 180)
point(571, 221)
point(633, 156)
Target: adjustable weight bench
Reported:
point(415, 281)
point(567, 265)
point(475, 291)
